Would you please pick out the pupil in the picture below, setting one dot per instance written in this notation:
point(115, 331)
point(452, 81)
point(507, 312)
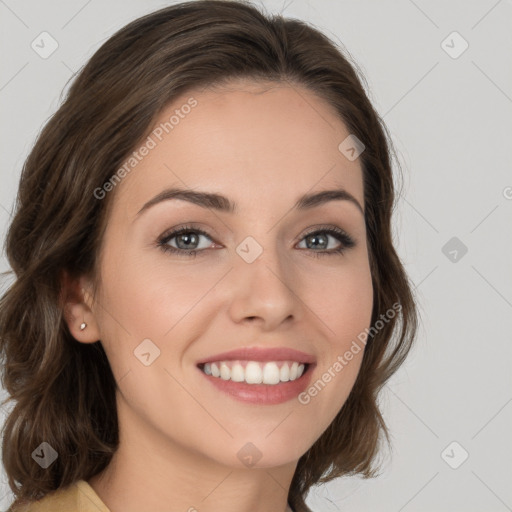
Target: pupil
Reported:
point(188, 237)
point(316, 237)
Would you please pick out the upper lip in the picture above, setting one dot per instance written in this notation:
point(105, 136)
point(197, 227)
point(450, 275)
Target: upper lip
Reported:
point(261, 354)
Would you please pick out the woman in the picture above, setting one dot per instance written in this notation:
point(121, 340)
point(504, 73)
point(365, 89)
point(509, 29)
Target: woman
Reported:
point(208, 300)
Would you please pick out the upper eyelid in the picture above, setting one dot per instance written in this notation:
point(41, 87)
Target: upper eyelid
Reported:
point(174, 232)
point(184, 228)
point(325, 227)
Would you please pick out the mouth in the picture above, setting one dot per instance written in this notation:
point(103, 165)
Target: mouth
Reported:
point(251, 372)
point(259, 375)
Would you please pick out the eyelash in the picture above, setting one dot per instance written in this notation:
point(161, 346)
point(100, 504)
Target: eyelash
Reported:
point(346, 240)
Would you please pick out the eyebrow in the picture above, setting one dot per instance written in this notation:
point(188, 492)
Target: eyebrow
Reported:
point(223, 204)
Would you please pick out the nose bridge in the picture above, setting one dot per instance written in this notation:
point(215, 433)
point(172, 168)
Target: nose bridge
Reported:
point(262, 282)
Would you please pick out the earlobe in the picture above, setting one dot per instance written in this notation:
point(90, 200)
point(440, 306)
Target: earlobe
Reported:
point(77, 310)
point(81, 322)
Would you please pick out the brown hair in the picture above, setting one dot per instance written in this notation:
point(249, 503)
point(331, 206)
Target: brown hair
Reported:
point(64, 391)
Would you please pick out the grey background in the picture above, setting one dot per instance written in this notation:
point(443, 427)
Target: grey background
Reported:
point(450, 119)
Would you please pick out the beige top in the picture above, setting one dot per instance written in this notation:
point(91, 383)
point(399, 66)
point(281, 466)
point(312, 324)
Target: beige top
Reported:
point(78, 497)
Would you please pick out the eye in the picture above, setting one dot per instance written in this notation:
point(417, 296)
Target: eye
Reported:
point(186, 240)
point(319, 239)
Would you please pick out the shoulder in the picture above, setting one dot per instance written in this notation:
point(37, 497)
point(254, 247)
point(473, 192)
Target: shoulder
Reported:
point(77, 497)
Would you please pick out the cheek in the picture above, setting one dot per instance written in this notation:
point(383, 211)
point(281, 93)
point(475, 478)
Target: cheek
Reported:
point(150, 299)
point(343, 300)
point(148, 295)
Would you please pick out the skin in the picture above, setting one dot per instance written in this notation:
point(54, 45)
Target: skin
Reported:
point(263, 146)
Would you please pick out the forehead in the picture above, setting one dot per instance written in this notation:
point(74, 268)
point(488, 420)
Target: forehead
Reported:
point(250, 141)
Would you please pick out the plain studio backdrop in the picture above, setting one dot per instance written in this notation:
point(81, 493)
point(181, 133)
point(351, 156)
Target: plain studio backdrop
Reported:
point(440, 75)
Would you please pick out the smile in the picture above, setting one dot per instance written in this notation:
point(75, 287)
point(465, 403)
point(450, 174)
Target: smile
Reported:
point(255, 372)
point(258, 382)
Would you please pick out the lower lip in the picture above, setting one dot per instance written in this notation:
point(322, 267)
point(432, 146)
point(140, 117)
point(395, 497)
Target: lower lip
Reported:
point(263, 394)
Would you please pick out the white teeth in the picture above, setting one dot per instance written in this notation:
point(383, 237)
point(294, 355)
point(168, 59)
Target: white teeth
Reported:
point(225, 372)
point(271, 373)
point(255, 372)
point(285, 373)
point(237, 373)
point(293, 371)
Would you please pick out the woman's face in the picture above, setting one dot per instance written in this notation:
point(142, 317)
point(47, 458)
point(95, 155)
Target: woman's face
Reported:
point(266, 275)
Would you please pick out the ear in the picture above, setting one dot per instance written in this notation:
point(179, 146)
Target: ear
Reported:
point(76, 302)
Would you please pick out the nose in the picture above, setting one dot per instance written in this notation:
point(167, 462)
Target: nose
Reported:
point(263, 291)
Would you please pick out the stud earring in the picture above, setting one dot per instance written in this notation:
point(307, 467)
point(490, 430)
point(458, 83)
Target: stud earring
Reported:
point(83, 325)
